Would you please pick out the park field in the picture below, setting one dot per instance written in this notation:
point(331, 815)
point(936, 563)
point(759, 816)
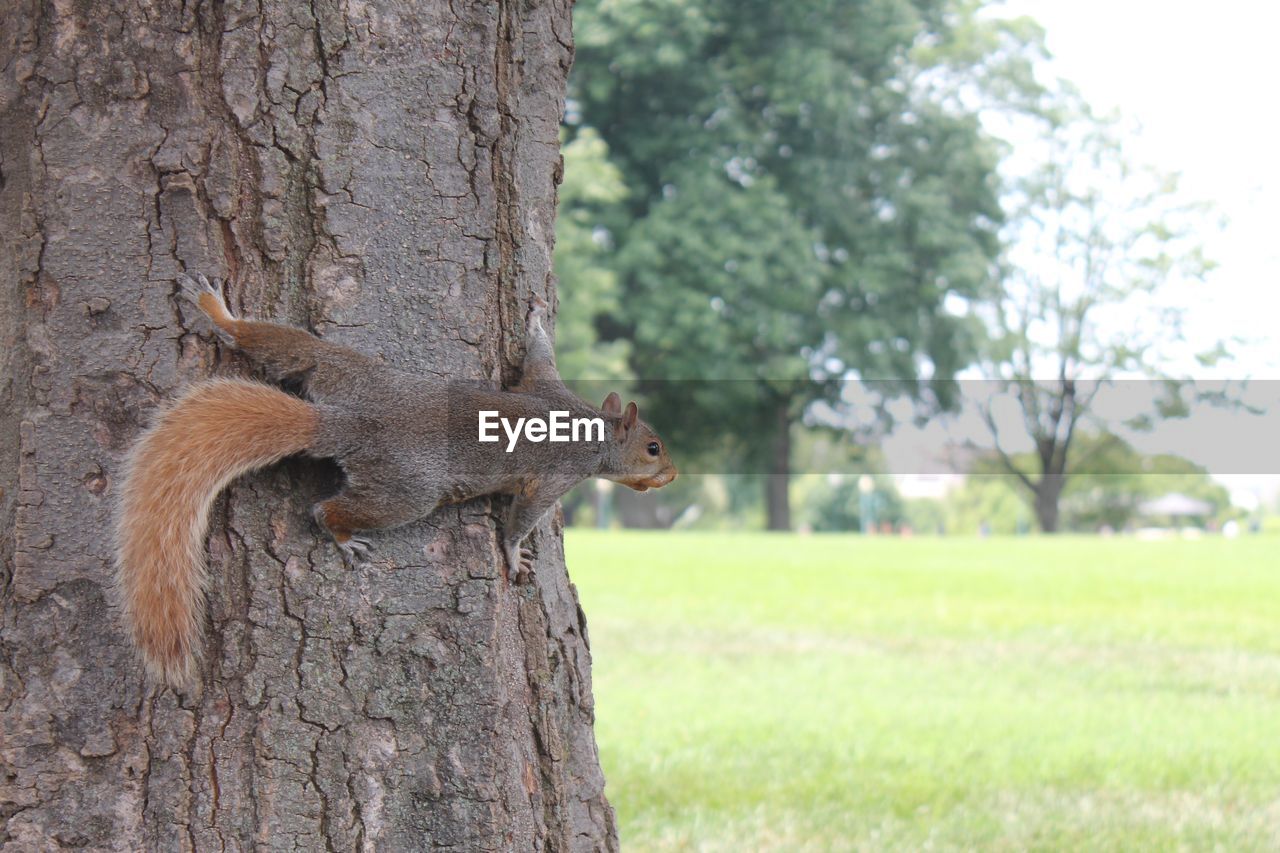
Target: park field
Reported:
point(789, 693)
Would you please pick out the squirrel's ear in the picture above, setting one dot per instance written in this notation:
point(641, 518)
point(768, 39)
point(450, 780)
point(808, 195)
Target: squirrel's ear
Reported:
point(612, 405)
point(624, 426)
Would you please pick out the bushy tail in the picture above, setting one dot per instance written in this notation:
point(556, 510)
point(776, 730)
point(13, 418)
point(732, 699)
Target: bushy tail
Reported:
point(215, 432)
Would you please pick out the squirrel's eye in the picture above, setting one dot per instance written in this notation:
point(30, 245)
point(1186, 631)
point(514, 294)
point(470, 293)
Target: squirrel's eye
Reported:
point(653, 448)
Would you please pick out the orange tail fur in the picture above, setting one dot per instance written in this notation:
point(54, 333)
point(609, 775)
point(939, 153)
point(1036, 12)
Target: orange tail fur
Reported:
point(217, 431)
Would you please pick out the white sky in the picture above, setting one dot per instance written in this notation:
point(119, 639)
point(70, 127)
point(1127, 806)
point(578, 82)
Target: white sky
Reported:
point(1200, 79)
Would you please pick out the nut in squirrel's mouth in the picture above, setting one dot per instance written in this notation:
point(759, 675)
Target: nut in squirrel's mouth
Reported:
point(655, 482)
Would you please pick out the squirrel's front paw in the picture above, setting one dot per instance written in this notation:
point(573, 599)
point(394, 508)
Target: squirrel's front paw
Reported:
point(209, 299)
point(194, 288)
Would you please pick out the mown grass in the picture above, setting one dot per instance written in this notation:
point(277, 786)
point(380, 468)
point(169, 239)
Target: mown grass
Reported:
point(766, 692)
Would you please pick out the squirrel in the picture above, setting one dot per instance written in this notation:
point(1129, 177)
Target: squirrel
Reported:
point(406, 444)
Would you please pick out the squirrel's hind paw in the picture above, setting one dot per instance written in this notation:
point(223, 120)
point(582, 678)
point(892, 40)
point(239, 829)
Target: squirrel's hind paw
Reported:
point(537, 309)
point(519, 562)
point(355, 551)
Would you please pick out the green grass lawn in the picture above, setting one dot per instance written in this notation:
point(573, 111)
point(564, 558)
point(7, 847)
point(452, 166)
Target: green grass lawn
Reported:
point(769, 692)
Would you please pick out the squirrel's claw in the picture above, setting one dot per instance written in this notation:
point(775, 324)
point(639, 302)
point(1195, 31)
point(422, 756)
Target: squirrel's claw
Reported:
point(210, 300)
point(519, 562)
point(193, 288)
point(355, 551)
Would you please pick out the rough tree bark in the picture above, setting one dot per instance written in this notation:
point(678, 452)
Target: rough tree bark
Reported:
point(383, 173)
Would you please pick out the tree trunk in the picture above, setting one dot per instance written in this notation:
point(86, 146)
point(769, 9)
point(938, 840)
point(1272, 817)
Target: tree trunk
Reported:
point(385, 175)
point(777, 486)
point(1048, 495)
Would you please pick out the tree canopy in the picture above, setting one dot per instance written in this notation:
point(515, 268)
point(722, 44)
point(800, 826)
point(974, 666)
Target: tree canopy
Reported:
point(800, 202)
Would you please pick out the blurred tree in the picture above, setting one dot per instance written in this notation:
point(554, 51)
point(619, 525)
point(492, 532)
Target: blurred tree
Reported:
point(591, 191)
point(834, 504)
point(803, 193)
point(736, 333)
point(1118, 479)
point(986, 502)
point(926, 516)
point(1090, 240)
point(590, 194)
point(1109, 481)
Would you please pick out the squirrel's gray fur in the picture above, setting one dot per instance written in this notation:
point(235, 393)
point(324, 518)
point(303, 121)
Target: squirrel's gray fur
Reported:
point(408, 444)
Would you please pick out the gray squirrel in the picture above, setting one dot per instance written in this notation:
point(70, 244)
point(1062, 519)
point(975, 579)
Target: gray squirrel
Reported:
point(406, 444)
